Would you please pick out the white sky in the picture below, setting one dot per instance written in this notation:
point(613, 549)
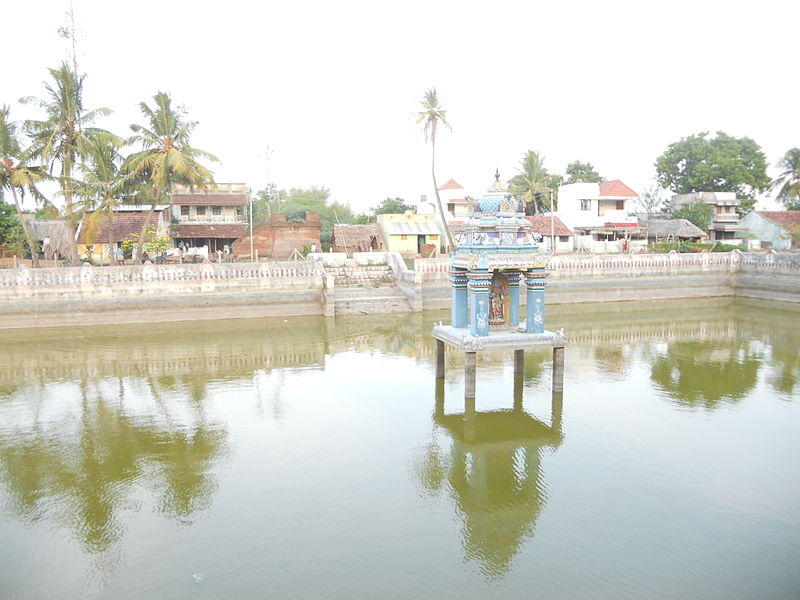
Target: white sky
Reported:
point(328, 89)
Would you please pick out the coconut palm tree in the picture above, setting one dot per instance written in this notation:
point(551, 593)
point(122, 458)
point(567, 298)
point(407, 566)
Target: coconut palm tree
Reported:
point(430, 116)
point(531, 183)
point(788, 182)
point(63, 136)
point(16, 176)
point(166, 156)
point(102, 186)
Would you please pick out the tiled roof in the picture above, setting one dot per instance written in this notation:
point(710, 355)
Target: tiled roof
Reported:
point(786, 218)
point(541, 224)
point(457, 201)
point(210, 199)
point(616, 188)
point(227, 230)
point(451, 185)
point(125, 223)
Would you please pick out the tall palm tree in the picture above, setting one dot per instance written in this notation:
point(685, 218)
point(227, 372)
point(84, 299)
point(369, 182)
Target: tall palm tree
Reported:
point(102, 186)
point(15, 176)
point(63, 136)
point(431, 115)
point(166, 156)
point(531, 183)
point(788, 182)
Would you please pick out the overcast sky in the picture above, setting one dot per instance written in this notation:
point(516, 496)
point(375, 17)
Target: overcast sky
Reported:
point(324, 93)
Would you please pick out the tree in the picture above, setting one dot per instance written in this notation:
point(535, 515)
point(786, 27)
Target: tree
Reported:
point(166, 156)
point(720, 164)
point(16, 176)
point(698, 212)
point(12, 236)
point(64, 135)
point(430, 116)
point(267, 201)
point(102, 187)
point(650, 199)
point(787, 183)
point(391, 206)
point(582, 172)
point(530, 185)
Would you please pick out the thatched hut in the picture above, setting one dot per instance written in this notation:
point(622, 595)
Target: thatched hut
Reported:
point(357, 238)
point(672, 230)
point(54, 236)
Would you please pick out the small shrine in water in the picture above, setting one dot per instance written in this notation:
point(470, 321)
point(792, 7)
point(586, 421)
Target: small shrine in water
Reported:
point(496, 253)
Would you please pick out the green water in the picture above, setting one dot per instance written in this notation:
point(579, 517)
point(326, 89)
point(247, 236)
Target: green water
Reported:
point(314, 458)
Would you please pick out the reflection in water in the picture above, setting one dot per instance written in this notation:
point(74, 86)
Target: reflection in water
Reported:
point(80, 462)
point(701, 373)
point(493, 475)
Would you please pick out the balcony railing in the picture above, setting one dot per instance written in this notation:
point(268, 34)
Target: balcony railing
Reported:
point(204, 219)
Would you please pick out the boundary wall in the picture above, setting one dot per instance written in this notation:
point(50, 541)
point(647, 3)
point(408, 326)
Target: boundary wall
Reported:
point(153, 293)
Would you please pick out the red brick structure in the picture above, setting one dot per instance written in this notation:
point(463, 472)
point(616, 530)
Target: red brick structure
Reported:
point(279, 238)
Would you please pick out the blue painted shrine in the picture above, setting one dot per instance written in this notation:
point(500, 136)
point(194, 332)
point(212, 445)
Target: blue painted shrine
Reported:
point(496, 252)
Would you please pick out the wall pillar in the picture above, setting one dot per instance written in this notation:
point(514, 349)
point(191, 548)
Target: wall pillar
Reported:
point(439, 359)
point(458, 297)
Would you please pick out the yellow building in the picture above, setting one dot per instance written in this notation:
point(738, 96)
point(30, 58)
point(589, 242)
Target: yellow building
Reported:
point(407, 233)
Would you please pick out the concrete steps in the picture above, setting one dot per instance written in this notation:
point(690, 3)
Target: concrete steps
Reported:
point(366, 289)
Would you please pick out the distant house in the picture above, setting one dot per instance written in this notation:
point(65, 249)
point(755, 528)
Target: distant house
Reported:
point(725, 223)
point(357, 238)
point(53, 235)
point(409, 232)
point(671, 230)
point(279, 238)
point(554, 233)
point(213, 216)
point(93, 234)
point(454, 201)
point(774, 228)
point(601, 215)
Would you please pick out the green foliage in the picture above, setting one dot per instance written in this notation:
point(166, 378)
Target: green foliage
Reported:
point(12, 237)
point(787, 184)
point(391, 206)
point(533, 184)
point(697, 212)
point(582, 172)
point(153, 243)
point(650, 199)
point(687, 247)
point(720, 164)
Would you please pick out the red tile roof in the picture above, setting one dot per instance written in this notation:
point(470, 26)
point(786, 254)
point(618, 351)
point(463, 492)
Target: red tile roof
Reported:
point(786, 218)
point(616, 188)
point(451, 185)
point(125, 223)
point(541, 224)
point(226, 230)
point(210, 199)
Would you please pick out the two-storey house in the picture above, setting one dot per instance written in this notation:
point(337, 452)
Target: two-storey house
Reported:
point(213, 216)
point(725, 222)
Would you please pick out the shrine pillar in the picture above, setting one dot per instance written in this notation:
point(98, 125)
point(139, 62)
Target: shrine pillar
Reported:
point(513, 297)
point(535, 282)
point(480, 282)
point(458, 297)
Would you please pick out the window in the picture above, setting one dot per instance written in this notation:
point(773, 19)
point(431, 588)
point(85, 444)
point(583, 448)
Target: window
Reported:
point(200, 210)
point(586, 205)
point(216, 210)
point(403, 237)
point(184, 211)
point(563, 238)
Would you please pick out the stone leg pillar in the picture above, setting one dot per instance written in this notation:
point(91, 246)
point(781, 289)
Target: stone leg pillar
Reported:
point(480, 281)
point(458, 297)
point(519, 378)
point(556, 407)
point(513, 298)
point(439, 398)
point(535, 282)
point(439, 359)
point(558, 369)
point(470, 364)
point(519, 362)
